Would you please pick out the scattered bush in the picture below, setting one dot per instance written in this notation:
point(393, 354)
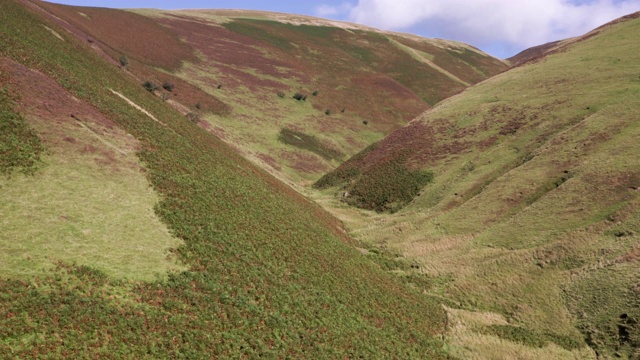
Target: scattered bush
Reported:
point(280, 94)
point(366, 122)
point(300, 97)
point(343, 110)
point(327, 112)
point(315, 93)
point(168, 86)
point(195, 118)
point(124, 60)
point(150, 86)
point(219, 86)
point(198, 106)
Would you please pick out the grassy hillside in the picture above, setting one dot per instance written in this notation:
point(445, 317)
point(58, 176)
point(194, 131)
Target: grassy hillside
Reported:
point(531, 218)
point(238, 72)
point(256, 270)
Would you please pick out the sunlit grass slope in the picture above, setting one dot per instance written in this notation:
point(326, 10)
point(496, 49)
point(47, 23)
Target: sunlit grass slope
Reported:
point(534, 199)
point(86, 200)
point(269, 273)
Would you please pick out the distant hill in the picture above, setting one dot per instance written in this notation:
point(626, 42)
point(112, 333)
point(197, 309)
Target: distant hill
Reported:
point(533, 53)
point(238, 72)
point(523, 192)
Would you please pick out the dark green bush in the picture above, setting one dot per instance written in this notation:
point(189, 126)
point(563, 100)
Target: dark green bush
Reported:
point(300, 97)
point(124, 60)
point(308, 142)
point(168, 86)
point(150, 86)
point(387, 186)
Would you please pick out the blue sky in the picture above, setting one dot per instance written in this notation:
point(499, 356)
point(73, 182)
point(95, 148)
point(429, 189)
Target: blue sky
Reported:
point(499, 27)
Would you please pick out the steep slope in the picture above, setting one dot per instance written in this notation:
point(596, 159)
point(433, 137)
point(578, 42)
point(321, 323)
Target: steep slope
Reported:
point(533, 210)
point(358, 84)
point(261, 271)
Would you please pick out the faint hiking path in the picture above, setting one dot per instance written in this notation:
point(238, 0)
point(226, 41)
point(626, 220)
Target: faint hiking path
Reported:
point(137, 107)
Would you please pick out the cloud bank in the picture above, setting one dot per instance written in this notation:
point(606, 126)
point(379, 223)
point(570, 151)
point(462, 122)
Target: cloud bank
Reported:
point(505, 26)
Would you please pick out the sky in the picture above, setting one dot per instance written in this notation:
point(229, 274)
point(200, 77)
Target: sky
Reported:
point(501, 28)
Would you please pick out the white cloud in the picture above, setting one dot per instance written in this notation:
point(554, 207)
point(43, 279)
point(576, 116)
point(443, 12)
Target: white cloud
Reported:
point(325, 10)
point(514, 24)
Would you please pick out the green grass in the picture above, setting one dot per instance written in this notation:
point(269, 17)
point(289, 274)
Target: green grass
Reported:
point(308, 142)
point(388, 186)
point(608, 301)
point(531, 338)
point(252, 28)
point(74, 210)
point(269, 273)
point(20, 147)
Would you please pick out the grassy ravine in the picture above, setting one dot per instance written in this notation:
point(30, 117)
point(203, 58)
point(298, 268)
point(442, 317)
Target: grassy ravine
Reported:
point(269, 273)
point(534, 208)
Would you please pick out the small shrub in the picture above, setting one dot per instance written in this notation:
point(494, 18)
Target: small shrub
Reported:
point(343, 110)
point(124, 60)
point(168, 86)
point(315, 93)
point(366, 122)
point(198, 106)
point(193, 117)
point(219, 86)
point(300, 97)
point(280, 94)
point(149, 86)
point(327, 112)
